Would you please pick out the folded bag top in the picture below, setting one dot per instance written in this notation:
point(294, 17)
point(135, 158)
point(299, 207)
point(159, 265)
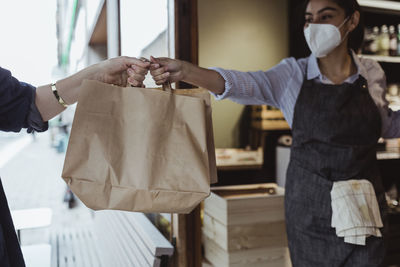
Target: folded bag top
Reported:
point(137, 149)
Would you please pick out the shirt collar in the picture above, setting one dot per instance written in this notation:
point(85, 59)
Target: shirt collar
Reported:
point(313, 71)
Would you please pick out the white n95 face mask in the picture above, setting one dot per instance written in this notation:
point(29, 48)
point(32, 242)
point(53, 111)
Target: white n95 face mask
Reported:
point(323, 38)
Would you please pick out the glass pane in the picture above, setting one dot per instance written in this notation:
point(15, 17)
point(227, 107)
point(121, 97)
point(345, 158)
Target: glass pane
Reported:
point(145, 29)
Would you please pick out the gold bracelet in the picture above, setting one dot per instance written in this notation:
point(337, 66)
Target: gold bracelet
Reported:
point(57, 96)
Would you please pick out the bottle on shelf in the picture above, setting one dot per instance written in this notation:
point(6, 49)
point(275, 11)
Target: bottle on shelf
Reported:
point(398, 40)
point(374, 45)
point(370, 45)
point(367, 41)
point(392, 41)
point(384, 41)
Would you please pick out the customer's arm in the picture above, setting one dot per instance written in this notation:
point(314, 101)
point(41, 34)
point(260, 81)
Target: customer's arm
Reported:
point(24, 106)
point(118, 71)
point(16, 102)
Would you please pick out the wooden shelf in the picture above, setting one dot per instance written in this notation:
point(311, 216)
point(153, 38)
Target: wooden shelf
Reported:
point(265, 119)
point(381, 5)
point(383, 58)
point(270, 125)
point(239, 159)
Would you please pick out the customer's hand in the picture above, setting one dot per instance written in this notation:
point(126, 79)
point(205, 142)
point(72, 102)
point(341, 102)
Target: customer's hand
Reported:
point(165, 69)
point(121, 71)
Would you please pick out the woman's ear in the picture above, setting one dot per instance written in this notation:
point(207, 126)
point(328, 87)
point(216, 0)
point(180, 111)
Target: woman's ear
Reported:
point(354, 21)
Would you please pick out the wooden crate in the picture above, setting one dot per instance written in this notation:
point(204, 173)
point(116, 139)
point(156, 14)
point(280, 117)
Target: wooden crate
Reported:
point(245, 226)
point(258, 257)
point(246, 236)
point(245, 204)
point(265, 118)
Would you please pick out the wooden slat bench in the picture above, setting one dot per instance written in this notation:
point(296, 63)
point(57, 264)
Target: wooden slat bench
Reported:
point(118, 239)
point(75, 247)
point(130, 239)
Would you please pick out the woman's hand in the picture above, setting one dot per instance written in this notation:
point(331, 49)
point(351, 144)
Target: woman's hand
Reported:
point(121, 71)
point(166, 69)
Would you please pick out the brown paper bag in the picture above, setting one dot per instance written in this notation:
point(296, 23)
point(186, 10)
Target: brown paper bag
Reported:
point(142, 150)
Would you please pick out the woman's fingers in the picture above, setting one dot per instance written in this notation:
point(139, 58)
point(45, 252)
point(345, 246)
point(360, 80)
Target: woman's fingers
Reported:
point(157, 72)
point(153, 60)
point(163, 61)
point(168, 63)
point(159, 79)
point(160, 82)
point(154, 66)
point(165, 69)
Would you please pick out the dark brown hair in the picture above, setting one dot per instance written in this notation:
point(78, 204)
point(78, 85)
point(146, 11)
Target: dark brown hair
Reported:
point(356, 37)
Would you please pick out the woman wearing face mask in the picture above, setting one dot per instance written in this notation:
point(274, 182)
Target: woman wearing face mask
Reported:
point(334, 102)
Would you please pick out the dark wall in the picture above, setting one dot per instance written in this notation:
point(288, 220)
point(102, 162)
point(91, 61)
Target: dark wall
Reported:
point(297, 44)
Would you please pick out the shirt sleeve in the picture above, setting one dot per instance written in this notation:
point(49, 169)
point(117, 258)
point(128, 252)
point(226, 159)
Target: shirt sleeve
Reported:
point(377, 84)
point(17, 105)
point(258, 88)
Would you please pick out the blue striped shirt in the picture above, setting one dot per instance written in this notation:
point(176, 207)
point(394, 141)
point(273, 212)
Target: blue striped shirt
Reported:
point(280, 87)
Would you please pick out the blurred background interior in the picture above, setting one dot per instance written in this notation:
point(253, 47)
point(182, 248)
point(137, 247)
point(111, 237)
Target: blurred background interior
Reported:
point(46, 40)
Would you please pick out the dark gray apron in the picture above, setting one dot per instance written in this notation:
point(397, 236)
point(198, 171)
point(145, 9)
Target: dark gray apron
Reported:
point(335, 132)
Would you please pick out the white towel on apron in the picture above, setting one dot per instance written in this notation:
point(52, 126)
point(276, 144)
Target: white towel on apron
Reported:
point(355, 211)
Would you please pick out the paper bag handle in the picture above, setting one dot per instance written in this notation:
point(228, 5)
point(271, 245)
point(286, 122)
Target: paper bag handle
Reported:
point(167, 87)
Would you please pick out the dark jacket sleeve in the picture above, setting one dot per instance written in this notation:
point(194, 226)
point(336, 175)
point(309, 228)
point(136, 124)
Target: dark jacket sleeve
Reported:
point(17, 105)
